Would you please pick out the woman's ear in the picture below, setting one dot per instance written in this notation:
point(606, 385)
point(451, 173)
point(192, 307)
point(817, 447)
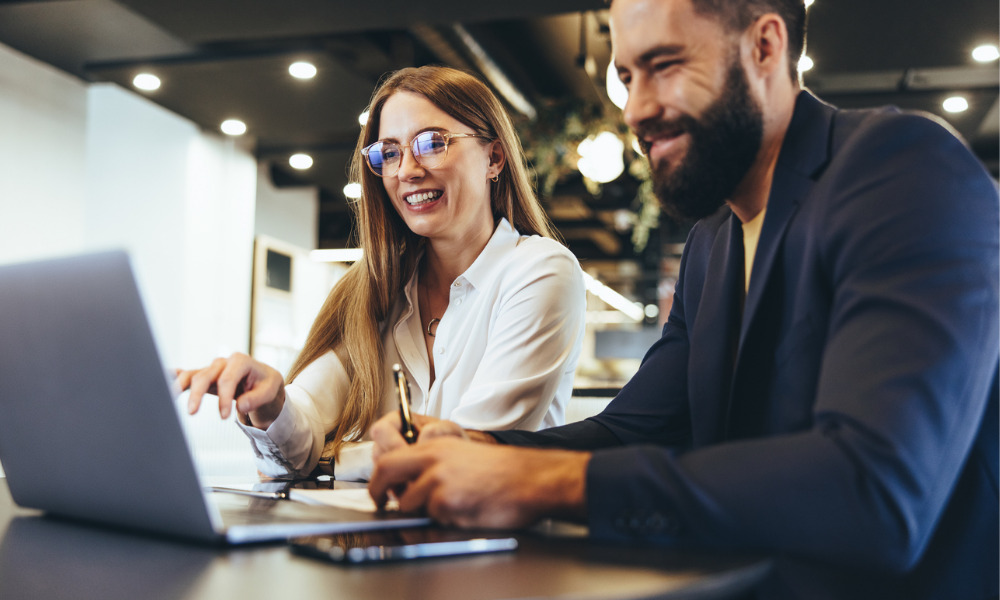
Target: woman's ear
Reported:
point(497, 159)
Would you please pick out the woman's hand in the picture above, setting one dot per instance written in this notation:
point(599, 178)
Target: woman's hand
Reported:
point(386, 432)
point(257, 389)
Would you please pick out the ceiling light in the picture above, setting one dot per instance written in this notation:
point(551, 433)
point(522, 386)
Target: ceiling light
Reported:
point(352, 190)
point(617, 91)
point(147, 82)
point(337, 255)
point(809, 3)
point(601, 157)
point(986, 53)
point(805, 63)
point(363, 118)
point(955, 104)
point(300, 161)
point(302, 70)
point(233, 127)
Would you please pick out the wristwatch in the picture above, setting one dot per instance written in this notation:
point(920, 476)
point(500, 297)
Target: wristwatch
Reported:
point(327, 461)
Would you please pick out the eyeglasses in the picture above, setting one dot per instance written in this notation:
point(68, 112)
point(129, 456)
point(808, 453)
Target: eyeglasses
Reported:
point(429, 149)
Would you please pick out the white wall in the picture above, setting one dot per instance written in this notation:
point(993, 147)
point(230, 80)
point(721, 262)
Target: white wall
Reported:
point(93, 167)
point(183, 203)
point(287, 214)
point(42, 159)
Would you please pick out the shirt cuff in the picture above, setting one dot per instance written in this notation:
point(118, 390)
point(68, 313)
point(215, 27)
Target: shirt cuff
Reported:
point(267, 444)
point(355, 462)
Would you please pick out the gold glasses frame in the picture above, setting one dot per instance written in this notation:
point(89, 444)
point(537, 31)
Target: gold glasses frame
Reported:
point(428, 161)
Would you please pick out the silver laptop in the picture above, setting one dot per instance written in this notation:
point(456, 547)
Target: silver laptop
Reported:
point(89, 428)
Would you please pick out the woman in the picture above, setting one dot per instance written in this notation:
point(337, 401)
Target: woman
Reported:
point(460, 283)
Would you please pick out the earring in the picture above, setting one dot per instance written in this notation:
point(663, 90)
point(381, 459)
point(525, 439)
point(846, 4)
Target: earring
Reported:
point(496, 178)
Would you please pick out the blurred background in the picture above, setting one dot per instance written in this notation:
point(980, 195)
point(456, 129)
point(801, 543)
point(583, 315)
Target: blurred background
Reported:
point(211, 139)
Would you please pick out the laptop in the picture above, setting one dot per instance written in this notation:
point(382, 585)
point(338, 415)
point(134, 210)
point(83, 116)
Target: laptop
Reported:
point(89, 427)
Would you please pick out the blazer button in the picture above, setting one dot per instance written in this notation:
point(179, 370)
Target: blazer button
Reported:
point(624, 521)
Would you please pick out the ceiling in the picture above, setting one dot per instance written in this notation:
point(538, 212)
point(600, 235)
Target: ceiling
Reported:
point(229, 58)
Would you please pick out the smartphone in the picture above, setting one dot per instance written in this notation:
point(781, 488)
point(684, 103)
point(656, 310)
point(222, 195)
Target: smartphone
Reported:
point(396, 545)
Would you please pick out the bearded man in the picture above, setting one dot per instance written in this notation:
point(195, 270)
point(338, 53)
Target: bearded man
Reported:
point(825, 388)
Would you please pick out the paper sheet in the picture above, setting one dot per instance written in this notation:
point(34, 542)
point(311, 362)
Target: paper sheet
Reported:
point(354, 499)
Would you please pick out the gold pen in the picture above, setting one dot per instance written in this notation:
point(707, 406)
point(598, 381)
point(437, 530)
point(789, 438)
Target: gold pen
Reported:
point(406, 427)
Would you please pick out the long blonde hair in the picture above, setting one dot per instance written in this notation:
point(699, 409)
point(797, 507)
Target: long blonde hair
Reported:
point(349, 322)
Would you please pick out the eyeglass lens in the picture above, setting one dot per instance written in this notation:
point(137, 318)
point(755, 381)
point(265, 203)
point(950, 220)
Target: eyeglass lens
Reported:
point(429, 149)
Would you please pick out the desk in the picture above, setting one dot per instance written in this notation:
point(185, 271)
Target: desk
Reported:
point(53, 559)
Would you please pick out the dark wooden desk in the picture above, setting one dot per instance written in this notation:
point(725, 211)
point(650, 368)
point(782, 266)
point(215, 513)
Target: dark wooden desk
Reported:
point(42, 557)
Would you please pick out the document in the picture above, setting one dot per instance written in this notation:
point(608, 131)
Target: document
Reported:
point(354, 499)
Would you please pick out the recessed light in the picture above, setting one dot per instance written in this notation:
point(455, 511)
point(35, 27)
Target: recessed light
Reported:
point(352, 190)
point(986, 53)
point(805, 64)
point(809, 3)
point(233, 127)
point(146, 81)
point(300, 161)
point(363, 118)
point(302, 70)
point(955, 104)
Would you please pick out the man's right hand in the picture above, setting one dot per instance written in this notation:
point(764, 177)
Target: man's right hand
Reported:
point(461, 483)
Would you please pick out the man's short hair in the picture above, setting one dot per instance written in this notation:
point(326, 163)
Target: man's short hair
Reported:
point(737, 15)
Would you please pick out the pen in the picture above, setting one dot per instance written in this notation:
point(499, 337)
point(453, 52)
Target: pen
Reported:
point(406, 420)
point(252, 493)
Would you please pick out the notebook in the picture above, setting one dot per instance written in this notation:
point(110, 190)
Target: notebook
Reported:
point(89, 428)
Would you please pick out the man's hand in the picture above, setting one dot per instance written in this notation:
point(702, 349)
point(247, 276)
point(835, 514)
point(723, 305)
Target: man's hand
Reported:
point(257, 389)
point(468, 484)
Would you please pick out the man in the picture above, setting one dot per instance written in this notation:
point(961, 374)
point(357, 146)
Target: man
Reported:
point(825, 389)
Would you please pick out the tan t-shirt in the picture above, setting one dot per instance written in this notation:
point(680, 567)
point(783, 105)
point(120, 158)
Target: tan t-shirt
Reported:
point(751, 235)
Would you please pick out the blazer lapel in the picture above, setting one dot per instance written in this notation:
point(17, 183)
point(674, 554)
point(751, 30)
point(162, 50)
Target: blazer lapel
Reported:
point(713, 334)
point(803, 155)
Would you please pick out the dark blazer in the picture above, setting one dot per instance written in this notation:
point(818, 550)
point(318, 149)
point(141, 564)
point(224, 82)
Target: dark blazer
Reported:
point(850, 428)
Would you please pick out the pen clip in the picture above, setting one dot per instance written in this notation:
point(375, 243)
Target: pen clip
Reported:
point(406, 428)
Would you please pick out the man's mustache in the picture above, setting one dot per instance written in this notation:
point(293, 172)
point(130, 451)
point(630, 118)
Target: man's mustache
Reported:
point(654, 129)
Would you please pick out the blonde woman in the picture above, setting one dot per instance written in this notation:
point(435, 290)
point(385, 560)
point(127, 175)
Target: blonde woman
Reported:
point(461, 284)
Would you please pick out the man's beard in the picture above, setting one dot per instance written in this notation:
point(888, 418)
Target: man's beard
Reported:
point(724, 143)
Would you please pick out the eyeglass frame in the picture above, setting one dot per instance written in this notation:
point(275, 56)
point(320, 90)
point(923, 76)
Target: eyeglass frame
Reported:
point(448, 137)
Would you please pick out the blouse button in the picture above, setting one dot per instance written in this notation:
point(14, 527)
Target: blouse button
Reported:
point(441, 350)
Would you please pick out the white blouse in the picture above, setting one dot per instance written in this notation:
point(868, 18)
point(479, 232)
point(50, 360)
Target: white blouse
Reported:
point(505, 352)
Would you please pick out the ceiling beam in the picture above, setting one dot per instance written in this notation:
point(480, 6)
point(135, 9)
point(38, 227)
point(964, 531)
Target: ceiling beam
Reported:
point(929, 79)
